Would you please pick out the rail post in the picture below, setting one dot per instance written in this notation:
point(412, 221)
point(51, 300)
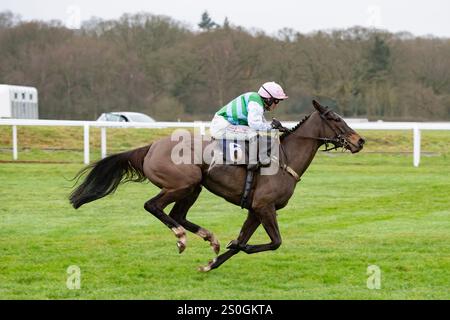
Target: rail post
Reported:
point(103, 142)
point(14, 141)
point(416, 157)
point(86, 143)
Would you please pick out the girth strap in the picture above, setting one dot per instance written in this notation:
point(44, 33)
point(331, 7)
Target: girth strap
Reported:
point(245, 201)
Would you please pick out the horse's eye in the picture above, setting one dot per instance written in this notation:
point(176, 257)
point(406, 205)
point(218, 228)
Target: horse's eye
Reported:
point(336, 117)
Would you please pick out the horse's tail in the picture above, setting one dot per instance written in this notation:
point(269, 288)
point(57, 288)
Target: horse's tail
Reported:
point(105, 175)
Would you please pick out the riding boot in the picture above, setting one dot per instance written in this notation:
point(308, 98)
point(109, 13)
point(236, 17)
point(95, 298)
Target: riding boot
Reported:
point(264, 148)
point(252, 153)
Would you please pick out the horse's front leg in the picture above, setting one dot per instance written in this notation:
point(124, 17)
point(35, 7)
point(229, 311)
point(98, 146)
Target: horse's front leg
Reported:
point(268, 218)
point(250, 225)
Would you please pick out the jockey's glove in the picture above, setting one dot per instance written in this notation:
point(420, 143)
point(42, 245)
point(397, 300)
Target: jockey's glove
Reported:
point(276, 124)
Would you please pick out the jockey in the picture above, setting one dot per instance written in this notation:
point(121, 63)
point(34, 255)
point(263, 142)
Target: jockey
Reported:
point(245, 114)
point(242, 117)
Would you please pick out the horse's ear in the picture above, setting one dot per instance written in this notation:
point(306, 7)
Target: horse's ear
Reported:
point(318, 106)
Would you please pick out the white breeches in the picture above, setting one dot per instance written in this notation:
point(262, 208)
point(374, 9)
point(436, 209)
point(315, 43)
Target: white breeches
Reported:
point(220, 127)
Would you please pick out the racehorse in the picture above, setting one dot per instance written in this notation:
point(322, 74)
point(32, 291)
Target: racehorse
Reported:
point(182, 183)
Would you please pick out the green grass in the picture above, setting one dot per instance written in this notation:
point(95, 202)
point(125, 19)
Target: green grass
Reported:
point(348, 212)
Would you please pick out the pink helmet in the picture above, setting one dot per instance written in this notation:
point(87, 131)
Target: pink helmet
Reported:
point(272, 90)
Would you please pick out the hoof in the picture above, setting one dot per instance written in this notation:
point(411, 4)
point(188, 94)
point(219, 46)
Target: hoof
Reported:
point(181, 246)
point(233, 244)
point(215, 246)
point(208, 267)
point(208, 236)
point(204, 268)
point(180, 233)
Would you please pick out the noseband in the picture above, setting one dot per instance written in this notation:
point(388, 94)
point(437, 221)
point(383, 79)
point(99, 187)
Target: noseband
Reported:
point(340, 139)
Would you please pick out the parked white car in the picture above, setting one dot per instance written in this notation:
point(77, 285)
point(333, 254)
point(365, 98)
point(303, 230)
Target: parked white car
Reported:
point(125, 117)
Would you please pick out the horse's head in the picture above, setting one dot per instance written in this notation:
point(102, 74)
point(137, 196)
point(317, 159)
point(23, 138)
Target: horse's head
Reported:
point(336, 130)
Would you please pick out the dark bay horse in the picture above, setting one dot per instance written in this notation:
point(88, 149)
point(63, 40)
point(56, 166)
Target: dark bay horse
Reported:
point(181, 184)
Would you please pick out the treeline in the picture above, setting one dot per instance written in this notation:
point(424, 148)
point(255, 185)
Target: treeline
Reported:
point(159, 66)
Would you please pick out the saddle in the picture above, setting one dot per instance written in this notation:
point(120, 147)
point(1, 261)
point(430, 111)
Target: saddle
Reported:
point(253, 152)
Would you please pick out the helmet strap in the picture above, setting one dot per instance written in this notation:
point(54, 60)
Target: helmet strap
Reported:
point(267, 92)
point(268, 102)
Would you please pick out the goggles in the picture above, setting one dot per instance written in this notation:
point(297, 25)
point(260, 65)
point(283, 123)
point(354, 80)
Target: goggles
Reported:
point(274, 100)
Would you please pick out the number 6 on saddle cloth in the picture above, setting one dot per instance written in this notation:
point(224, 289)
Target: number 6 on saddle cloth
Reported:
point(253, 149)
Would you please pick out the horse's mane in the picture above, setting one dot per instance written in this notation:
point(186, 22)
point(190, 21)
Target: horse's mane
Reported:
point(285, 134)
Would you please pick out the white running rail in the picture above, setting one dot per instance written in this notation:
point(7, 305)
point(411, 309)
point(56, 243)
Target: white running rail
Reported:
point(416, 128)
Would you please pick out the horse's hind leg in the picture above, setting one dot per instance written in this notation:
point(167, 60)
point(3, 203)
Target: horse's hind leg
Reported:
point(179, 212)
point(156, 206)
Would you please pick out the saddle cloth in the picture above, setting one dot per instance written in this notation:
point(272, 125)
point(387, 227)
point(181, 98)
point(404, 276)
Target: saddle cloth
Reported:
point(244, 150)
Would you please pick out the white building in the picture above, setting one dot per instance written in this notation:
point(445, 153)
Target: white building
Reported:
point(18, 102)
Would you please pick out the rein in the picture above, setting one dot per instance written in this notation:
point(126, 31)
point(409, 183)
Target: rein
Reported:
point(339, 141)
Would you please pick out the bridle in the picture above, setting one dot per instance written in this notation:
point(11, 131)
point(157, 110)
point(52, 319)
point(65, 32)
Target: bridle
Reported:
point(340, 139)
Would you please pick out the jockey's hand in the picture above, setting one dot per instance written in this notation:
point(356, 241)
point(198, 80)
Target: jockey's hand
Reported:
point(276, 124)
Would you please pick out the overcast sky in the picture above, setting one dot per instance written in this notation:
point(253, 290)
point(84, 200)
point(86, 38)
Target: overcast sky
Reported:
point(418, 17)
